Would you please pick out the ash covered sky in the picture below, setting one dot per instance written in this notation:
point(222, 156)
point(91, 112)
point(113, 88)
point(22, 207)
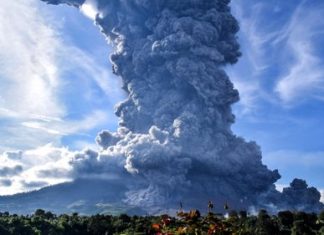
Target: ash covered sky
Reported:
point(55, 99)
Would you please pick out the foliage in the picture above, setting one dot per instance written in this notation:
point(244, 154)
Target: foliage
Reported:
point(191, 223)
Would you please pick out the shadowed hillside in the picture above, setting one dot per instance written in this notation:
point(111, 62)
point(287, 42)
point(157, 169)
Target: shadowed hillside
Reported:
point(83, 196)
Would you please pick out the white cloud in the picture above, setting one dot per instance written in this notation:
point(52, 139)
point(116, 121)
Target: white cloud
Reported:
point(84, 64)
point(36, 63)
point(89, 9)
point(45, 165)
point(280, 187)
point(322, 195)
point(29, 74)
point(68, 127)
point(281, 63)
point(253, 35)
point(304, 74)
point(28, 67)
point(80, 144)
point(248, 73)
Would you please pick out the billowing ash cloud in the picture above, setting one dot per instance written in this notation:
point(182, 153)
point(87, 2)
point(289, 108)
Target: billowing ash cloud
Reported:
point(174, 141)
point(299, 195)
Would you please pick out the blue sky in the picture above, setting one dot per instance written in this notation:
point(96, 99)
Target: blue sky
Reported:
point(55, 99)
point(281, 81)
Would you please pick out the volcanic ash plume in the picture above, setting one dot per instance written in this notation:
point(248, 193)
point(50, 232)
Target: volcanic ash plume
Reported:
point(174, 141)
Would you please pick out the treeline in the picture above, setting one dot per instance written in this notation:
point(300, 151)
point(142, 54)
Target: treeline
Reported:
point(238, 223)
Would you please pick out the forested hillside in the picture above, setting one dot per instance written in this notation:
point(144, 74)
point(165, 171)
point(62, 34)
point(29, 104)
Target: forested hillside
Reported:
point(192, 222)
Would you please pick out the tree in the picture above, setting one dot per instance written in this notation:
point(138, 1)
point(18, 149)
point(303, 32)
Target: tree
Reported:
point(40, 213)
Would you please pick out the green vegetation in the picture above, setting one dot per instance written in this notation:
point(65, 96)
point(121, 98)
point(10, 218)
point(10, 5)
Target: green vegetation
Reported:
point(47, 223)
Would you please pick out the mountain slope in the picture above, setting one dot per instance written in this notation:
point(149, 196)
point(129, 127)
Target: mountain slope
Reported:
point(82, 196)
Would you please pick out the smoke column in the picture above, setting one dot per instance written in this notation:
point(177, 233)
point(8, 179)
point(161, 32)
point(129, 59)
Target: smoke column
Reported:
point(174, 141)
